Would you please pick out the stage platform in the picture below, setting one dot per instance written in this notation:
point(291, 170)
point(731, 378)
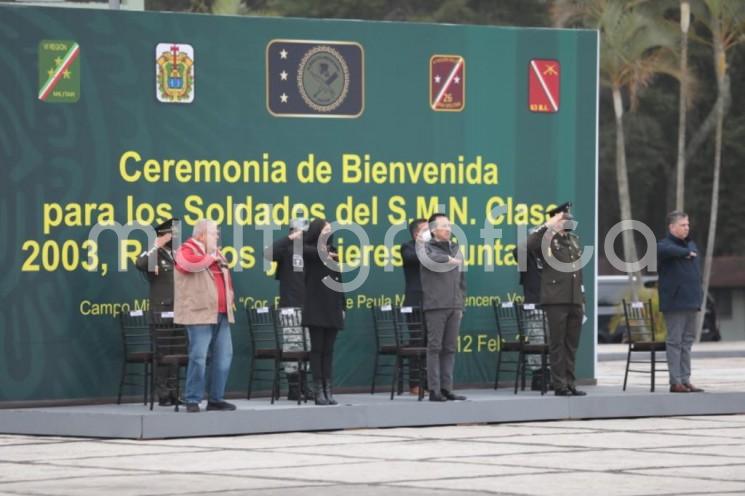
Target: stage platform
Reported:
point(358, 411)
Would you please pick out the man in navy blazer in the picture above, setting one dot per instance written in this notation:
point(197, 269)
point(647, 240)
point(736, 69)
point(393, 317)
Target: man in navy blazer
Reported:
point(681, 297)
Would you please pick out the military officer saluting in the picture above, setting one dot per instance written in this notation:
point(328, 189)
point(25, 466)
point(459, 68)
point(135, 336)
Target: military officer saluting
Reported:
point(160, 279)
point(562, 294)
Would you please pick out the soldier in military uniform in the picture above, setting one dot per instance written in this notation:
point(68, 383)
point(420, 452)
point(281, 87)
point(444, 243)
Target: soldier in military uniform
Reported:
point(160, 280)
point(291, 276)
point(562, 295)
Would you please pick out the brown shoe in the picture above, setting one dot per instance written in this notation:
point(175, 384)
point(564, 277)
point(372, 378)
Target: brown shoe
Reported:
point(693, 389)
point(414, 390)
point(678, 388)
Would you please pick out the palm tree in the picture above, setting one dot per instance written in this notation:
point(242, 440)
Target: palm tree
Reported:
point(685, 21)
point(725, 19)
point(633, 50)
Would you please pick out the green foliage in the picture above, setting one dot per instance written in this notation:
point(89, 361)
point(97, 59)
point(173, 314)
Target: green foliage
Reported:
point(650, 130)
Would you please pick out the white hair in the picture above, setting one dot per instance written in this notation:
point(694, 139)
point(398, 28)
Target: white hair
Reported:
point(201, 227)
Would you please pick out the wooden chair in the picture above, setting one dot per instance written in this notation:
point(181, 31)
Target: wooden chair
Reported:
point(642, 337)
point(534, 341)
point(410, 332)
point(293, 346)
point(508, 338)
point(170, 348)
point(137, 351)
point(384, 325)
point(263, 338)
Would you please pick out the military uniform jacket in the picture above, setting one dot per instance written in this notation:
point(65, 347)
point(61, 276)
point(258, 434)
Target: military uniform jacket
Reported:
point(161, 285)
point(291, 280)
point(557, 287)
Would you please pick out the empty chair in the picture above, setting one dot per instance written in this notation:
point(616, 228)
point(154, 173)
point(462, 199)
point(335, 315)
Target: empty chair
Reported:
point(534, 342)
point(384, 325)
point(137, 351)
point(262, 335)
point(642, 336)
point(170, 347)
point(508, 337)
point(410, 333)
point(293, 345)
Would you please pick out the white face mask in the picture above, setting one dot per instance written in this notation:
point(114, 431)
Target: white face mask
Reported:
point(426, 236)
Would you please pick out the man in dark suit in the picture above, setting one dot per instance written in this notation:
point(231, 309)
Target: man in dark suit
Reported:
point(419, 231)
point(160, 280)
point(444, 293)
point(681, 297)
point(562, 294)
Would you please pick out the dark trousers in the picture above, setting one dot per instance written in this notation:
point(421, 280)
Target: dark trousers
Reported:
point(564, 325)
point(442, 342)
point(322, 341)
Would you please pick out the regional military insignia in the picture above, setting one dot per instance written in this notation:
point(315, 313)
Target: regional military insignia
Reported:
point(59, 71)
point(447, 83)
point(174, 73)
point(544, 77)
point(314, 79)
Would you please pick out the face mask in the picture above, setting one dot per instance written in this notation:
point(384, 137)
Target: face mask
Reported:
point(426, 236)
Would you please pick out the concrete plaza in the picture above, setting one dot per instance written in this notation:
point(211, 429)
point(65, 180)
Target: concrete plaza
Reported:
point(701, 455)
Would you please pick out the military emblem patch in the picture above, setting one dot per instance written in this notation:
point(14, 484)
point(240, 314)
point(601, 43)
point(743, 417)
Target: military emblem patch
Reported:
point(314, 79)
point(174, 73)
point(447, 83)
point(543, 85)
point(323, 78)
point(59, 71)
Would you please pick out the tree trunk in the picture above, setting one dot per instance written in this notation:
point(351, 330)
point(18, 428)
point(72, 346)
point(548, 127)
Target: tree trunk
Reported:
point(624, 198)
point(702, 133)
point(685, 15)
point(724, 92)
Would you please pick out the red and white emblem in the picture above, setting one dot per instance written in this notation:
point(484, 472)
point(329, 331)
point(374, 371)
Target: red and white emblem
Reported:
point(544, 77)
point(447, 83)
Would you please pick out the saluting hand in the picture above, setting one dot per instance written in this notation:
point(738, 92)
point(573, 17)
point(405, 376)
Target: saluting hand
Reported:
point(163, 240)
point(553, 222)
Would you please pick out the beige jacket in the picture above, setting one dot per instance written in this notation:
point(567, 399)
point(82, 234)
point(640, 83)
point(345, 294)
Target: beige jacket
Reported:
point(194, 291)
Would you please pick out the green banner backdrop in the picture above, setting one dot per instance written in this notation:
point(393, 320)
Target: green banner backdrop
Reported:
point(135, 117)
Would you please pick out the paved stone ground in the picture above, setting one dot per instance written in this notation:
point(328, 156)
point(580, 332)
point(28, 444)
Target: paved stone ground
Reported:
point(649, 456)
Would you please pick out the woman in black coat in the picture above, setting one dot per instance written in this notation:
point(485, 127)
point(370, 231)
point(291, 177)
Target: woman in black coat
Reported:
point(323, 311)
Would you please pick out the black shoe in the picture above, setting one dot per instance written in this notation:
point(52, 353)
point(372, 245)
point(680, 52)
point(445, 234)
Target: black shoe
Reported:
point(433, 396)
point(293, 386)
point(168, 401)
point(576, 392)
point(318, 393)
point(452, 397)
point(222, 406)
point(192, 407)
point(562, 392)
point(329, 393)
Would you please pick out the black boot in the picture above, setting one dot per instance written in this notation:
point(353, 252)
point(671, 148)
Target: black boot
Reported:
point(327, 391)
point(293, 386)
point(319, 394)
